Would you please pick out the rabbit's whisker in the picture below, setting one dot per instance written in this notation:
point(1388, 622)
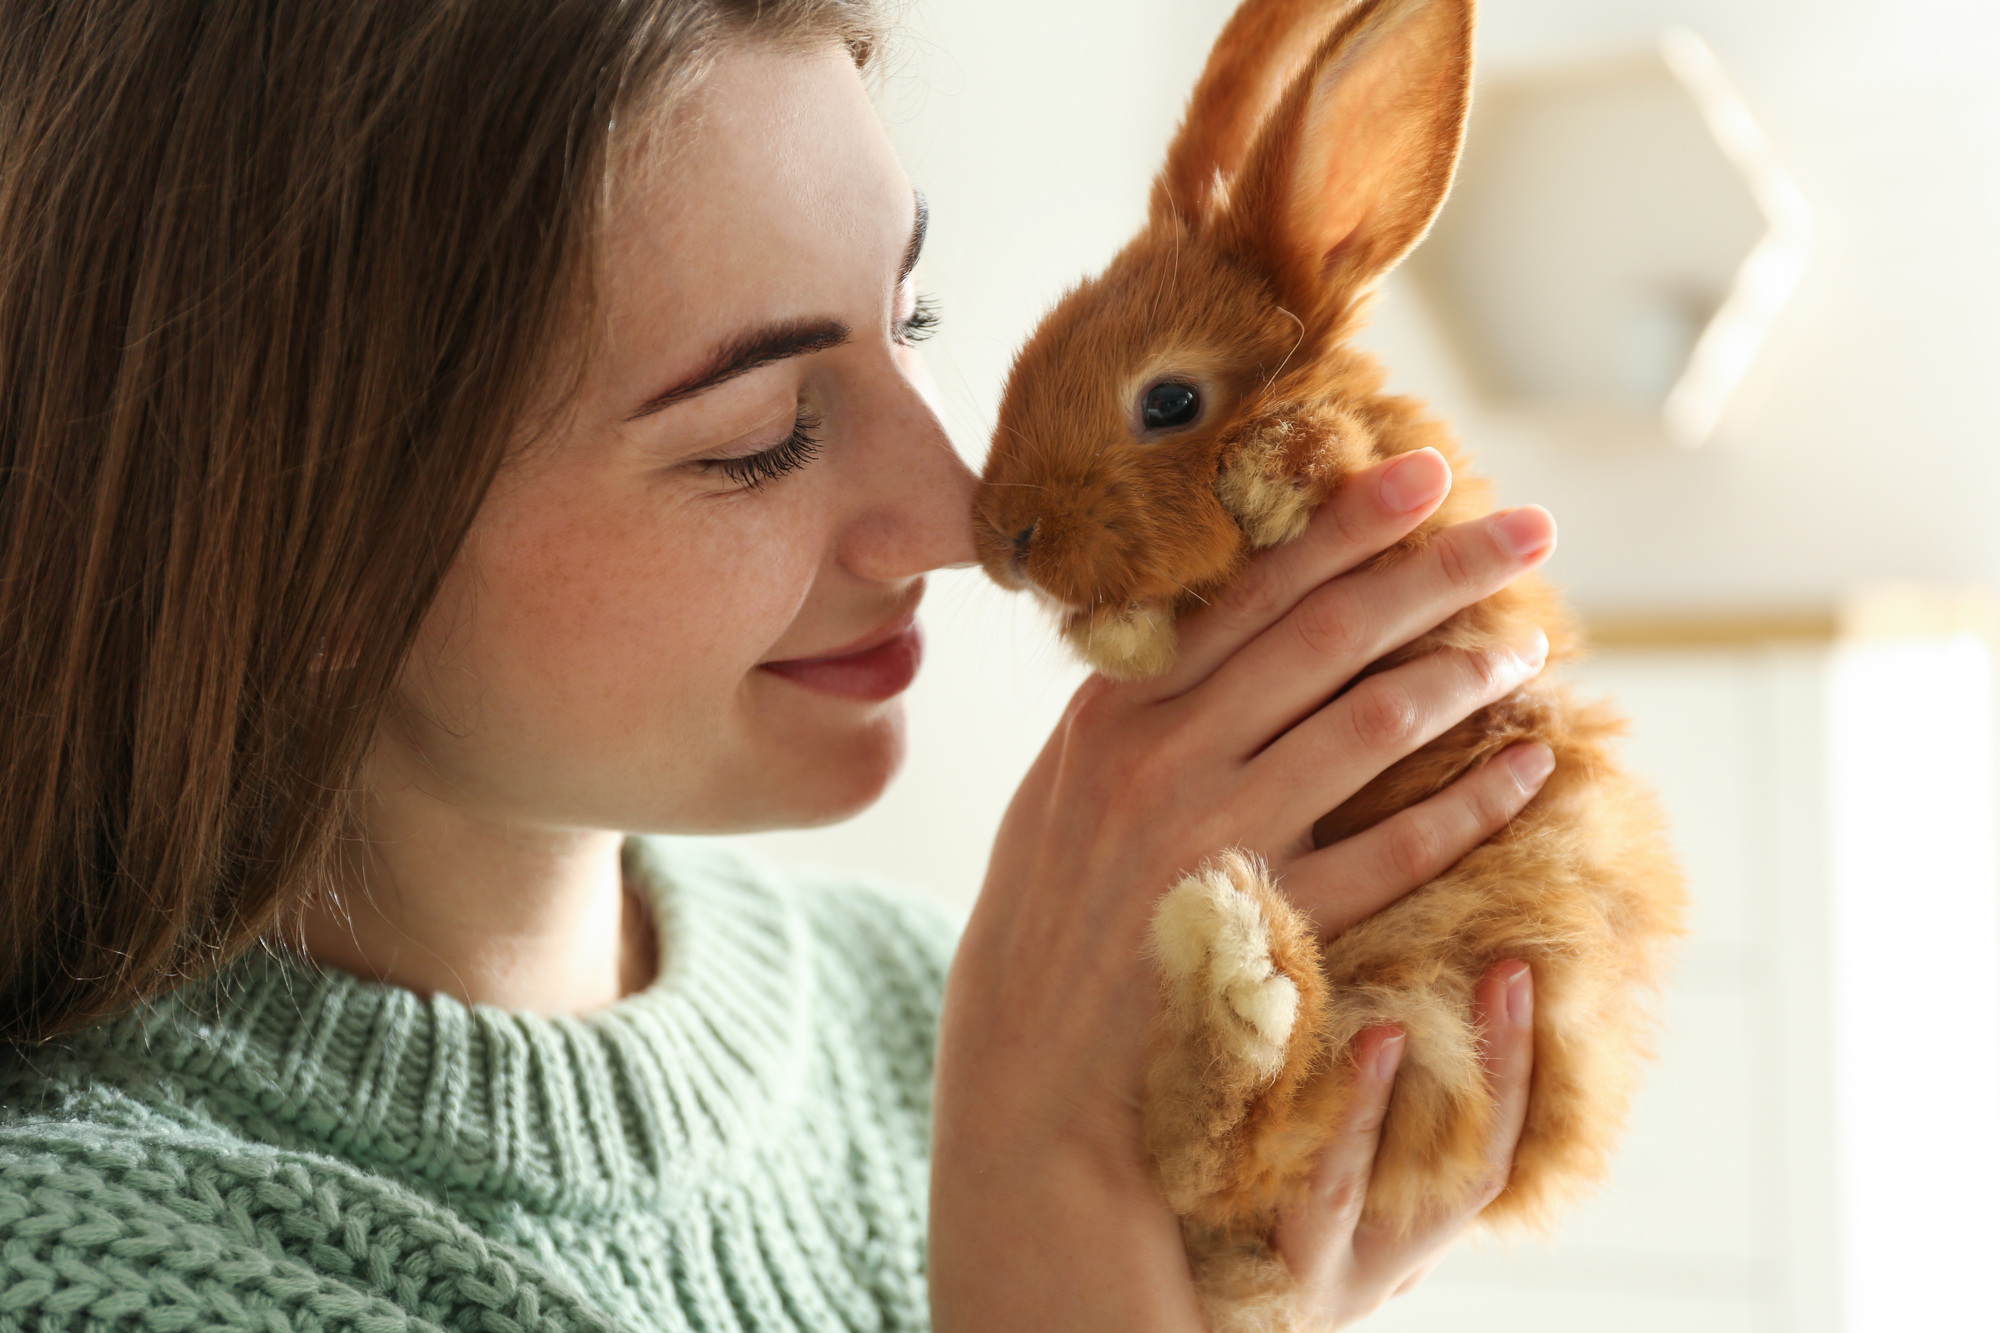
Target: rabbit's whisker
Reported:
point(1272, 378)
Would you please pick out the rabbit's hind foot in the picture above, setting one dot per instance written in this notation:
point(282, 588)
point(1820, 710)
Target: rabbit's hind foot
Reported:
point(1237, 1037)
point(1242, 1000)
point(1213, 942)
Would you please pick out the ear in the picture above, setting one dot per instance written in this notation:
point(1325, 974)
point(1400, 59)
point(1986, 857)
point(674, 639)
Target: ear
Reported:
point(1259, 54)
point(1355, 161)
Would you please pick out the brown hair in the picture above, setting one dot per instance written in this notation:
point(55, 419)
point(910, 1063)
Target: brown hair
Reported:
point(278, 279)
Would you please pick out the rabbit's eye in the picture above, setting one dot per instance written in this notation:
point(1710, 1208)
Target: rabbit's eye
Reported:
point(1167, 405)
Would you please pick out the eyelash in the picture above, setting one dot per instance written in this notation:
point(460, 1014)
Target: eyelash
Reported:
point(799, 448)
point(752, 471)
point(921, 324)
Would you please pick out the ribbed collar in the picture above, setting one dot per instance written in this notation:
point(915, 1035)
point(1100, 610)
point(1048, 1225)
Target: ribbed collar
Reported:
point(560, 1114)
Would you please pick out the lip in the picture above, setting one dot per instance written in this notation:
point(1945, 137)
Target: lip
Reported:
point(878, 666)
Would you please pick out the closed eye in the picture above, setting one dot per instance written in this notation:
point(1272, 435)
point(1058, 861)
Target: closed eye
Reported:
point(752, 472)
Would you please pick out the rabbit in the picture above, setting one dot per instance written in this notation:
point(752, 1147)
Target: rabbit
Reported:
point(1194, 403)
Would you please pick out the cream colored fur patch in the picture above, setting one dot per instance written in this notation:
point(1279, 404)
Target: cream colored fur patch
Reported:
point(1214, 945)
point(1132, 643)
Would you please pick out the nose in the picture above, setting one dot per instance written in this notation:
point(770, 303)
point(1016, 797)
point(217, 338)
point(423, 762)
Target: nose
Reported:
point(1021, 540)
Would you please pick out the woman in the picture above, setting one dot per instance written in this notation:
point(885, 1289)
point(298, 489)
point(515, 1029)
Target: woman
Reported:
point(444, 437)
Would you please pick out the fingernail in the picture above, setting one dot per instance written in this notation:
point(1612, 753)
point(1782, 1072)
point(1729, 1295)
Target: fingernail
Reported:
point(1387, 1056)
point(1532, 765)
point(1414, 480)
point(1534, 652)
point(1521, 998)
point(1524, 531)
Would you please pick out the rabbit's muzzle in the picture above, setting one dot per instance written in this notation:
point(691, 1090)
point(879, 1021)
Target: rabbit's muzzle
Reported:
point(1076, 560)
point(1098, 567)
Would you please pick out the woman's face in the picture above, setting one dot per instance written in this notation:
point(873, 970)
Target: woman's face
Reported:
point(690, 608)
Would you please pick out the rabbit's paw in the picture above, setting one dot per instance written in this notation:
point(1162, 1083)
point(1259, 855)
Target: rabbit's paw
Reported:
point(1131, 642)
point(1284, 463)
point(1264, 489)
point(1213, 942)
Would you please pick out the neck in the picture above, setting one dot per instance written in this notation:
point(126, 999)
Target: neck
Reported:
point(444, 898)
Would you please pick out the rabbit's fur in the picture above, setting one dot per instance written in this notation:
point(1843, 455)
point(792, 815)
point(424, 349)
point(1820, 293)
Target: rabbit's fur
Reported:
point(1316, 149)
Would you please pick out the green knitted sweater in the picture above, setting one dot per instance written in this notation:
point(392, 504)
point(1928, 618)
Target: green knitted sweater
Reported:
point(744, 1145)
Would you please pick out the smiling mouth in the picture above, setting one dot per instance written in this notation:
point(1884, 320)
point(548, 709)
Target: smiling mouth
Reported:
point(878, 666)
point(871, 675)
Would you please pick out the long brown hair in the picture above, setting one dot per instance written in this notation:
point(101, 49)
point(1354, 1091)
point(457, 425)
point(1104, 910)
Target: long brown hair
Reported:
point(278, 279)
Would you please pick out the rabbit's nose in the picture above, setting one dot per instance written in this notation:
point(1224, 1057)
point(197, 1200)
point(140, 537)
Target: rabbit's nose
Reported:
point(1022, 538)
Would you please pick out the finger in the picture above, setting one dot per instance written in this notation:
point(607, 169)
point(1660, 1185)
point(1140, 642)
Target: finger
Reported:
point(1293, 667)
point(1368, 513)
point(1317, 765)
point(1504, 1006)
point(1357, 877)
point(1313, 1236)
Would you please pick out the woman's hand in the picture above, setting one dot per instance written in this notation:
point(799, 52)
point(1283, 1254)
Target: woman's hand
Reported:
point(1044, 1216)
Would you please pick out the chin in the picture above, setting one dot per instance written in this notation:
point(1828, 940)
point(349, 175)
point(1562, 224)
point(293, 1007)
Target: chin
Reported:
point(828, 775)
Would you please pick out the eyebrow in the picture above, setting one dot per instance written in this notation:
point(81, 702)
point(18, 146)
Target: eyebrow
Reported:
point(746, 352)
point(779, 341)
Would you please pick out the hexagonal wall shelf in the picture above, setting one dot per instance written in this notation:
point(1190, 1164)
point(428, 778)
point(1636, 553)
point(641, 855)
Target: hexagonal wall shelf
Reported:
point(1619, 242)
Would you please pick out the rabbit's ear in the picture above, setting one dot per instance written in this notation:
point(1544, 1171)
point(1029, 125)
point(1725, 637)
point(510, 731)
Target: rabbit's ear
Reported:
point(1258, 55)
point(1354, 163)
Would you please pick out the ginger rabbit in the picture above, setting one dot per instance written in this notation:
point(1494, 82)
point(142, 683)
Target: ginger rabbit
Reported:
point(1197, 401)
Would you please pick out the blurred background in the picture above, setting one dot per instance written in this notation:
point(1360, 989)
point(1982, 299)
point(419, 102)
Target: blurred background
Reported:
point(1717, 287)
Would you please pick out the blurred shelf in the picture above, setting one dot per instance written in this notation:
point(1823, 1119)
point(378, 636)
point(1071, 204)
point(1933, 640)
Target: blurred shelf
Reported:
point(1875, 612)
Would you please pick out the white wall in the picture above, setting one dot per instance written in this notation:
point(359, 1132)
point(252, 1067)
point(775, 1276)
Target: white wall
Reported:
point(1865, 442)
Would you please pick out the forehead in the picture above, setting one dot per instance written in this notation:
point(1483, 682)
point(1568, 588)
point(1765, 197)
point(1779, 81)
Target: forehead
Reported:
point(773, 192)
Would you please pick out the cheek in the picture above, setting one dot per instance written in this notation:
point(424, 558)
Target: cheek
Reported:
point(591, 622)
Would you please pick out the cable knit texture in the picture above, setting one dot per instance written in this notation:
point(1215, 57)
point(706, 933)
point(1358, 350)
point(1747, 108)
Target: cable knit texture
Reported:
point(744, 1145)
